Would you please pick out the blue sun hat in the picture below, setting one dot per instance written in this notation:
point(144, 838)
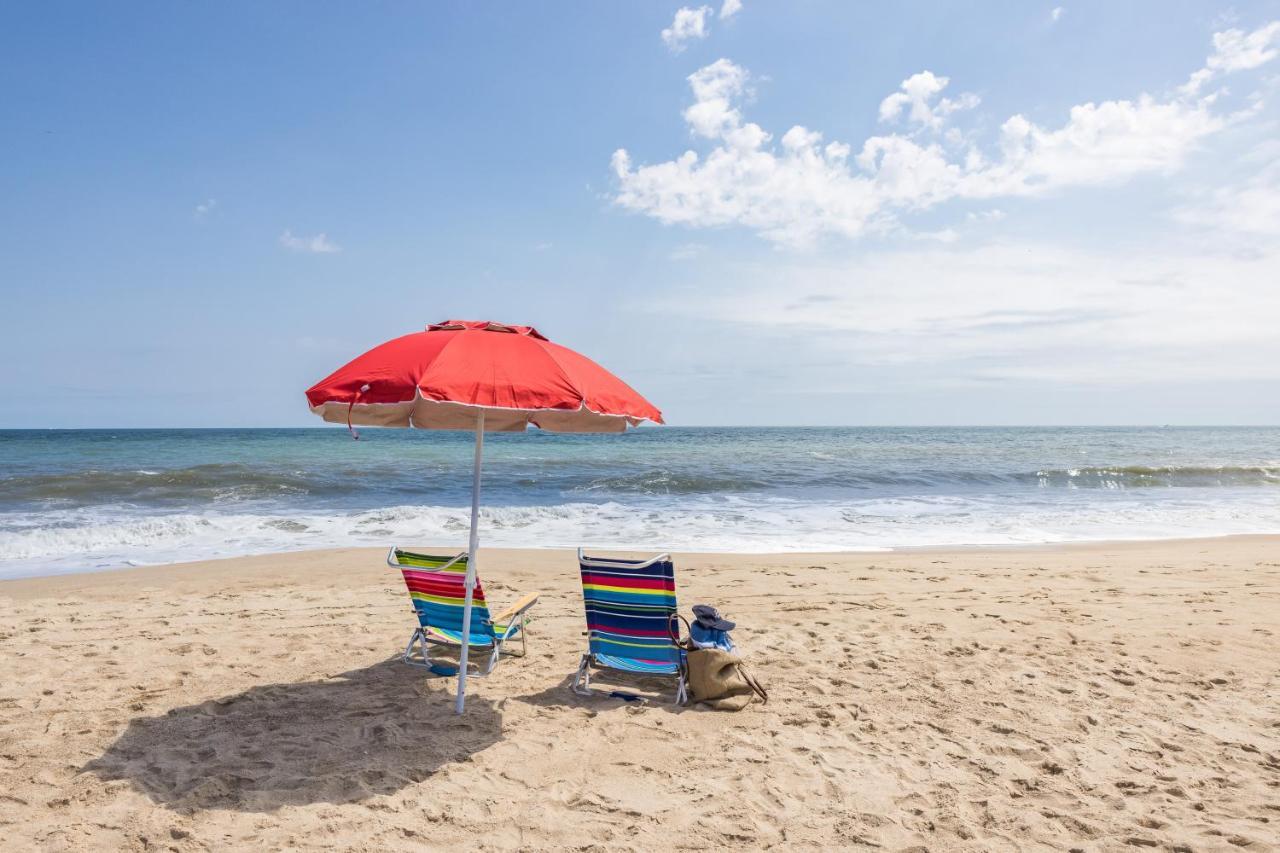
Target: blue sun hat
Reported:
point(709, 618)
point(709, 630)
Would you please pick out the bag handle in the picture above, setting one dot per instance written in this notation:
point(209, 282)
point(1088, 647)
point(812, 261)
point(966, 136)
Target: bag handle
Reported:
point(755, 686)
point(673, 631)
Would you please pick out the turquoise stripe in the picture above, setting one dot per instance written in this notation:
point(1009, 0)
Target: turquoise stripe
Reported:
point(630, 665)
point(447, 617)
point(601, 646)
point(456, 637)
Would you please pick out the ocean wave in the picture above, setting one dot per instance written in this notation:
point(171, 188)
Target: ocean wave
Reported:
point(665, 482)
point(78, 540)
point(792, 478)
point(304, 486)
point(219, 482)
point(1148, 476)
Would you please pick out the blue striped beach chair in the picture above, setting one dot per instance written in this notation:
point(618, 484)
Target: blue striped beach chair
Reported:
point(436, 589)
point(630, 605)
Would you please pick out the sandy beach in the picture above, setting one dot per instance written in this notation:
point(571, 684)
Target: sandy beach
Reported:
point(1092, 697)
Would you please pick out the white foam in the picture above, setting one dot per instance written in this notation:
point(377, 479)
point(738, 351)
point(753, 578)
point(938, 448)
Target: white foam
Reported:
point(101, 538)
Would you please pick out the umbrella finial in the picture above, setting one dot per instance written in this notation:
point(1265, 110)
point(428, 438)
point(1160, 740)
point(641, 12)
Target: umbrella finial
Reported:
point(485, 326)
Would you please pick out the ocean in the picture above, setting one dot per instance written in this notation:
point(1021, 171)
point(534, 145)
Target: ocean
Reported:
point(84, 500)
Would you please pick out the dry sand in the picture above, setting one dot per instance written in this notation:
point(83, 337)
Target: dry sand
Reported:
point(1099, 697)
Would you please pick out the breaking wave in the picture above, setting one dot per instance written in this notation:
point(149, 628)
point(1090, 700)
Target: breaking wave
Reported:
point(77, 500)
point(1172, 476)
point(96, 539)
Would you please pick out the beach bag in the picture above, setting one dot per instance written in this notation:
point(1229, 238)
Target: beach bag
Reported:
point(716, 677)
point(719, 679)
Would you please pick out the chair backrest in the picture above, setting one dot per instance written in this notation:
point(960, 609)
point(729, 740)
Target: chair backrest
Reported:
point(629, 606)
point(437, 591)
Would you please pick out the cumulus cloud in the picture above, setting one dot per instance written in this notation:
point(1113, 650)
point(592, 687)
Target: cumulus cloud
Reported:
point(801, 187)
point(318, 244)
point(916, 98)
point(688, 25)
point(715, 89)
point(1236, 50)
point(730, 8)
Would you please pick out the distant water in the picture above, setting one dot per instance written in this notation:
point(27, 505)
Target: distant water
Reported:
point(94, 499)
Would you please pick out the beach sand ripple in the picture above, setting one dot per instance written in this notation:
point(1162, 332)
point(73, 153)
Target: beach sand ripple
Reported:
point(1094, 697)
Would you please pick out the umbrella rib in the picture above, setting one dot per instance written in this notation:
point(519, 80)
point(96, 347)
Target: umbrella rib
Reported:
point(582, 398)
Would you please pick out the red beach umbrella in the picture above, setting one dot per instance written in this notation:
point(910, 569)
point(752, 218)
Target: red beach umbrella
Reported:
point(483, 376)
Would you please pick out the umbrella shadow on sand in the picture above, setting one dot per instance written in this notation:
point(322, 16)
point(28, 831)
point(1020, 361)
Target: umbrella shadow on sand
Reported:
point(361, 734)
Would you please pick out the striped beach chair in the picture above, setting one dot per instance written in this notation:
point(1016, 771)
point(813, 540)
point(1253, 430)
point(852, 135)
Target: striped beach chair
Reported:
point(436, 589)
point(629, 606)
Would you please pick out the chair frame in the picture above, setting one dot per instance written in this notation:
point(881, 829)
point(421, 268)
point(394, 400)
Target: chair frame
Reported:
point(581, 684)
point(423, 641)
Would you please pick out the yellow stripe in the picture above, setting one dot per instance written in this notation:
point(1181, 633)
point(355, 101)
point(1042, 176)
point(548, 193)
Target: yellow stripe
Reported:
point(455, 569)
point(476, 603)
point(627, 589)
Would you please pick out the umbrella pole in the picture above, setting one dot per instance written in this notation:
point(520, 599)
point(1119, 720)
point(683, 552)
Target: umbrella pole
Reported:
point(470, 581)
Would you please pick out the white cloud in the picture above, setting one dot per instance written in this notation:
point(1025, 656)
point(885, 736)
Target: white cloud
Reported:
point(319, 244)
point(1249, 208)
point(1236, 50)
point(916, 98)
point(206, 207)
point(730, 8)
point(1023, 311)
point(715, 88)
point(799, 188)
point(993, 215)
point(689, 24)
point(1099, 144)
point(1056, 14)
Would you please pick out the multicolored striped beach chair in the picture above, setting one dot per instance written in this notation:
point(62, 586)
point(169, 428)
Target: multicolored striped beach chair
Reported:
point(629, 605)
point(436, 589)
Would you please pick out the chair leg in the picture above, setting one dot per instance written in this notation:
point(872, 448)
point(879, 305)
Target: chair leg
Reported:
point(582, 679)
point(421, 641)
point(524, 646)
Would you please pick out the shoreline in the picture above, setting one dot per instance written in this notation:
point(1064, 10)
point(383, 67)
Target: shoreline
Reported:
point(1093, 696)
point(1029, 548)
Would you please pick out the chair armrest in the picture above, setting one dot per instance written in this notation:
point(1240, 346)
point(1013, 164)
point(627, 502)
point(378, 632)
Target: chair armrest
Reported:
point(516, 609)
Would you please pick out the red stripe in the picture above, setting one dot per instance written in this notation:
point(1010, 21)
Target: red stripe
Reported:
point(425, 584)
point(442, 577)
point(630, 583)
point(477, 599)
point(434, 585)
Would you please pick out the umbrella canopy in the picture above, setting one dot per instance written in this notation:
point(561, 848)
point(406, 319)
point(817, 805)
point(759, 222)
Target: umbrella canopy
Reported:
point(481, 375)
point(440, 378)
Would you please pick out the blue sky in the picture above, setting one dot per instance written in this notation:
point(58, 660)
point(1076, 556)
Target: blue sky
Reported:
point(1018, 213)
